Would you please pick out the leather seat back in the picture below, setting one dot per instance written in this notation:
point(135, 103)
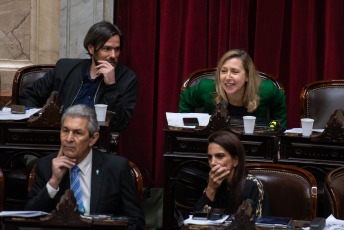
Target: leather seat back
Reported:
point(334, 193)
point(190, 179)
point(26, 76)
point(320, 99)
point(292, 191)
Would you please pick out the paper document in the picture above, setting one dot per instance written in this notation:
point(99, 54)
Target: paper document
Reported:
point(205, 222)
point(22, 213)
point(333, 224)
point(299, 130)
point(176, 119)
point(5, 114)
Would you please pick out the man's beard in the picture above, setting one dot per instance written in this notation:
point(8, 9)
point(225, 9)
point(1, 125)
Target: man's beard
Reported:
point(113, 62)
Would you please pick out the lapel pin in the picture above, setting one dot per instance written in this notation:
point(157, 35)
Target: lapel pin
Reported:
point(97, 172)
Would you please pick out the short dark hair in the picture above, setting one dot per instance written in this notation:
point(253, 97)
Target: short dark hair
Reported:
point(83, 111)
point(100, 33)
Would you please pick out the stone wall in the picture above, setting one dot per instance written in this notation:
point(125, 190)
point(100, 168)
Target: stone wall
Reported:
point(14, 39)
point(15, 29)
point(29, 34)
point(42, 31)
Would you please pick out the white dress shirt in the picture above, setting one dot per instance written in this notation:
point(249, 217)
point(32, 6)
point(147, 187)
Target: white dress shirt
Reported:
point(85, 176)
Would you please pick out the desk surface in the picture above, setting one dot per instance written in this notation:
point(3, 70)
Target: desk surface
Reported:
point(66, 216)
point(10, 223)
point(295, 224)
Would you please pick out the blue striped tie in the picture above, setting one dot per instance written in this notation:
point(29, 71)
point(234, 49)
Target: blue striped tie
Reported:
point(75, 186)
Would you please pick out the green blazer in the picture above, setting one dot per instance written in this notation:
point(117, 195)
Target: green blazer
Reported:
point(271, 103)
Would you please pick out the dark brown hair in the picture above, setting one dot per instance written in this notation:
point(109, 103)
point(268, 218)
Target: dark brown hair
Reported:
point(232, 144)
point(100, 33)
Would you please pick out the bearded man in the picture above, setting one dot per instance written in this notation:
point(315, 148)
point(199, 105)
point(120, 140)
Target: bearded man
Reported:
point(101, 79)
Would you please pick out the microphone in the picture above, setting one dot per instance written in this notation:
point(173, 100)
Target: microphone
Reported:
point(244, 218)
point(249, 202)
point(246, 207)
point(224, 104)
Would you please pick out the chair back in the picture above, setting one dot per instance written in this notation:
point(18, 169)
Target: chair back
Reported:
point(31, 178)
point(320, 99)
point(2, 190)
point(195, 77)
point(137, 176)
point(292, 191)
point(334, 193)
point(189, 180)
point(26, 76)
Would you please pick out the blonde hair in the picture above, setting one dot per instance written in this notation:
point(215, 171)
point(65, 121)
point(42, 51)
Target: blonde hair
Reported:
point(250, 98)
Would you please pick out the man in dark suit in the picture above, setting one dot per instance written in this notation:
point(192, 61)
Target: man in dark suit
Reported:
point(105, 180)
point(101, 79)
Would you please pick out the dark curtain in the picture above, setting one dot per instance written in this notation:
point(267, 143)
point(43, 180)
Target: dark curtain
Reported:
point(296, 41)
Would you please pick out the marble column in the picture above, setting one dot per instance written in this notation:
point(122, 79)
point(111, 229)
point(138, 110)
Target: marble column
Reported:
point(77, 16)
point(29, 34)
point(42, 31)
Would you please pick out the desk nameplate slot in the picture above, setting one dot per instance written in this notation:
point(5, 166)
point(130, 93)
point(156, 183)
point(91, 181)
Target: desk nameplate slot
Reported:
point(33, 131)
point(180, 145)
point(192, 139)
point(319, 151)
point(252, 142)
point(30, 146)
point(30, 136)
point(183, 155)
point(335, 147)
point(313, 162)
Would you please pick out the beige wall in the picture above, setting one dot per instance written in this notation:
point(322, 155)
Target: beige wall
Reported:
point(29, 34)
point(42, 31)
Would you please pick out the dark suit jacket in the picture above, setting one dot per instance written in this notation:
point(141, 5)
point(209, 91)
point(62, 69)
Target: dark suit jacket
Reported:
point(112, 191)
point(67, 79)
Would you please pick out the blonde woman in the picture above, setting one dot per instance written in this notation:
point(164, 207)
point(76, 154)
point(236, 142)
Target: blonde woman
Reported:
point(238, 84)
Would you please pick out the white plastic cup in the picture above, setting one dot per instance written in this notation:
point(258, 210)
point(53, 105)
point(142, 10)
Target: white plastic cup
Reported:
point(100, 111)
point(249, 122)
point(307, 126)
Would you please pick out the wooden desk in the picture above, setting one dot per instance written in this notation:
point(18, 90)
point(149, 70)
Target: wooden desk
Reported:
point(18, 135)
point(182, 145)
point(181, 142)
point(22, 223)
point(302, 149)
point(315, 156)
point(296, 224)
point(66, 216)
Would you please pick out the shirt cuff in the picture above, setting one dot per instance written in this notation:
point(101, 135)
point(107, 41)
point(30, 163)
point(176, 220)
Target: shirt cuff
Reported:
point(51, 191)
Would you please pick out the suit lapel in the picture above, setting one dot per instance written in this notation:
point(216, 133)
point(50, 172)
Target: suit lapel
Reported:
point(97, 179)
